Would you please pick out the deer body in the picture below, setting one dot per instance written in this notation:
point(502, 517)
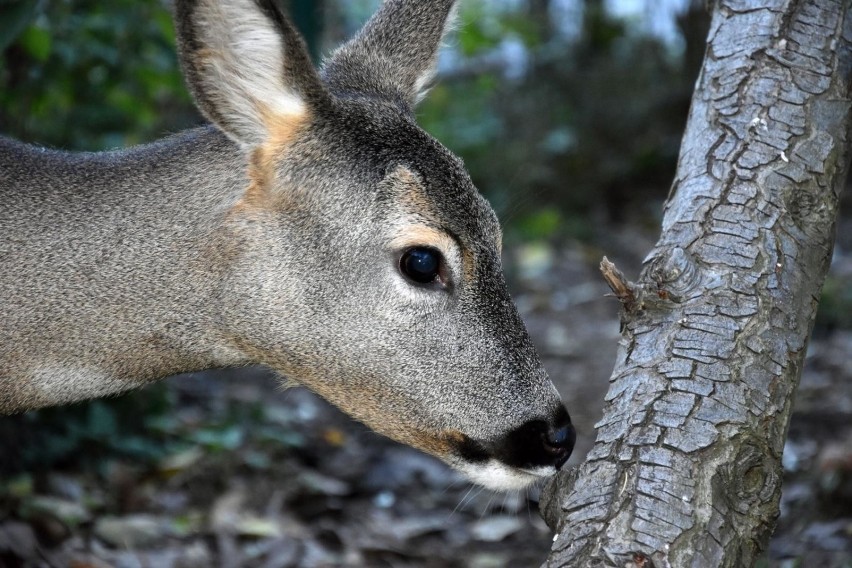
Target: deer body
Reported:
point(315, 230)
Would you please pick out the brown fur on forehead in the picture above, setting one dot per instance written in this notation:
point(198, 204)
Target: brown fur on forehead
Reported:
point(407, 191)
point(419, 235)
point(445, 202)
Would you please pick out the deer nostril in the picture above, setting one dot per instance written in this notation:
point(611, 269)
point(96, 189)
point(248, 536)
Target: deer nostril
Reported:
point(559, 442)
point(559, 439)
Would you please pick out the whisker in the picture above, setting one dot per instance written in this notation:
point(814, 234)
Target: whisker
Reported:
point(475, 495)
point(456, 508)
point(448, 486)
point(517, 203)
point(487, 505)
point(527, 500)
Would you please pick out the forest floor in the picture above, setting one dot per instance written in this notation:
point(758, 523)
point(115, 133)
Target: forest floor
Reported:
point(261, 477)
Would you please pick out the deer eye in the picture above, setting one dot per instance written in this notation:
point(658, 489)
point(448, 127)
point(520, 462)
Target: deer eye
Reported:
point(421, 264)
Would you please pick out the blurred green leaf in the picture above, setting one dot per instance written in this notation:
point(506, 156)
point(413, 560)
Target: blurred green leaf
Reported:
point(257, 460)
point(18, 487)
point(541, 225)
point(519, 26)
point(36, 42)
point(219, 439)
point(279, 437)
point(102, 421)
point(835, 306)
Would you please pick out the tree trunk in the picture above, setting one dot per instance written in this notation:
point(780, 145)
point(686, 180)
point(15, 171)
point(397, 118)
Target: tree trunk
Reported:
point(686, 467)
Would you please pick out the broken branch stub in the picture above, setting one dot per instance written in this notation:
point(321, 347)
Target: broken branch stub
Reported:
point(619, 285)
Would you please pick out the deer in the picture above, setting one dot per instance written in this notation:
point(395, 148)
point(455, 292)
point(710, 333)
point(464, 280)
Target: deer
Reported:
point(312, 227)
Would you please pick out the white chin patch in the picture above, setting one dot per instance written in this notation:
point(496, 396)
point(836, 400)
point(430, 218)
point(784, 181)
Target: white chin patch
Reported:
point(501, 477)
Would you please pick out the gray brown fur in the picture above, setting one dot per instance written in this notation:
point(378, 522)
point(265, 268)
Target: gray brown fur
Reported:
point(273, 238)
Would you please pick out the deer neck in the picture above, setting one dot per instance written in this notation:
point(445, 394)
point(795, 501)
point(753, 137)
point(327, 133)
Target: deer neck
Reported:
point(112, 266)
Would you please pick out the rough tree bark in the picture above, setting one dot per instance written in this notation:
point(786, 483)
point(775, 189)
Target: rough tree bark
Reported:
point(686, 467)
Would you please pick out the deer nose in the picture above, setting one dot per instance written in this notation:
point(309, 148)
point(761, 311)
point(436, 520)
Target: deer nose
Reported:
point(540, 443)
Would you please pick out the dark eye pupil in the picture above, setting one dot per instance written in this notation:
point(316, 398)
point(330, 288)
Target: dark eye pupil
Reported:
point(420, 264)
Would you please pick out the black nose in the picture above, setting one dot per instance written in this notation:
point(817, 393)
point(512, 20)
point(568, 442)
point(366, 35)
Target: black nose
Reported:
point(539, 443)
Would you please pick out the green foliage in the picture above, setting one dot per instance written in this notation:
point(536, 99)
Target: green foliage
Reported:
point(542, 224)
point(307, 16)
point(15, 15)
point(92, 75)
point(589, 128)
point(151, 428)
point(835, 306)
point(485, 28)
point(600, 31)
point(36, 42)
point(85, 432)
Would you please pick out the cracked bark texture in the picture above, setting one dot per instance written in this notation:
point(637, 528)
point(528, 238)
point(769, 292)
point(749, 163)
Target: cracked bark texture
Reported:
point(686, 467)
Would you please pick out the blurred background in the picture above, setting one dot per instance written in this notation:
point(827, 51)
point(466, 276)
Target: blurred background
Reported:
point(568, 114)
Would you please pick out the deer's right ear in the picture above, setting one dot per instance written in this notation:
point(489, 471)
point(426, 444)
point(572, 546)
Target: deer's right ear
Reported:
point(394, 56)
point(247, 67)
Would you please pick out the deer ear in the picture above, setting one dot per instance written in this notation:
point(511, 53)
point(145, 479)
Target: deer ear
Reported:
point(246, 65)
point(394, 56)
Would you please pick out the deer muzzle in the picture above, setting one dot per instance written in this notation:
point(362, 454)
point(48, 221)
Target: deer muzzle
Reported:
point(535, 449)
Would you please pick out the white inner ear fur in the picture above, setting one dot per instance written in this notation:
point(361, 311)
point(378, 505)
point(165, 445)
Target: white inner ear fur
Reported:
point(244, 67)
point(424, 81)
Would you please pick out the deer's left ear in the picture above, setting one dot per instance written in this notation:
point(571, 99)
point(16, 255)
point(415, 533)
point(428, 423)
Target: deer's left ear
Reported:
point(247, 67)
point(394, 56)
